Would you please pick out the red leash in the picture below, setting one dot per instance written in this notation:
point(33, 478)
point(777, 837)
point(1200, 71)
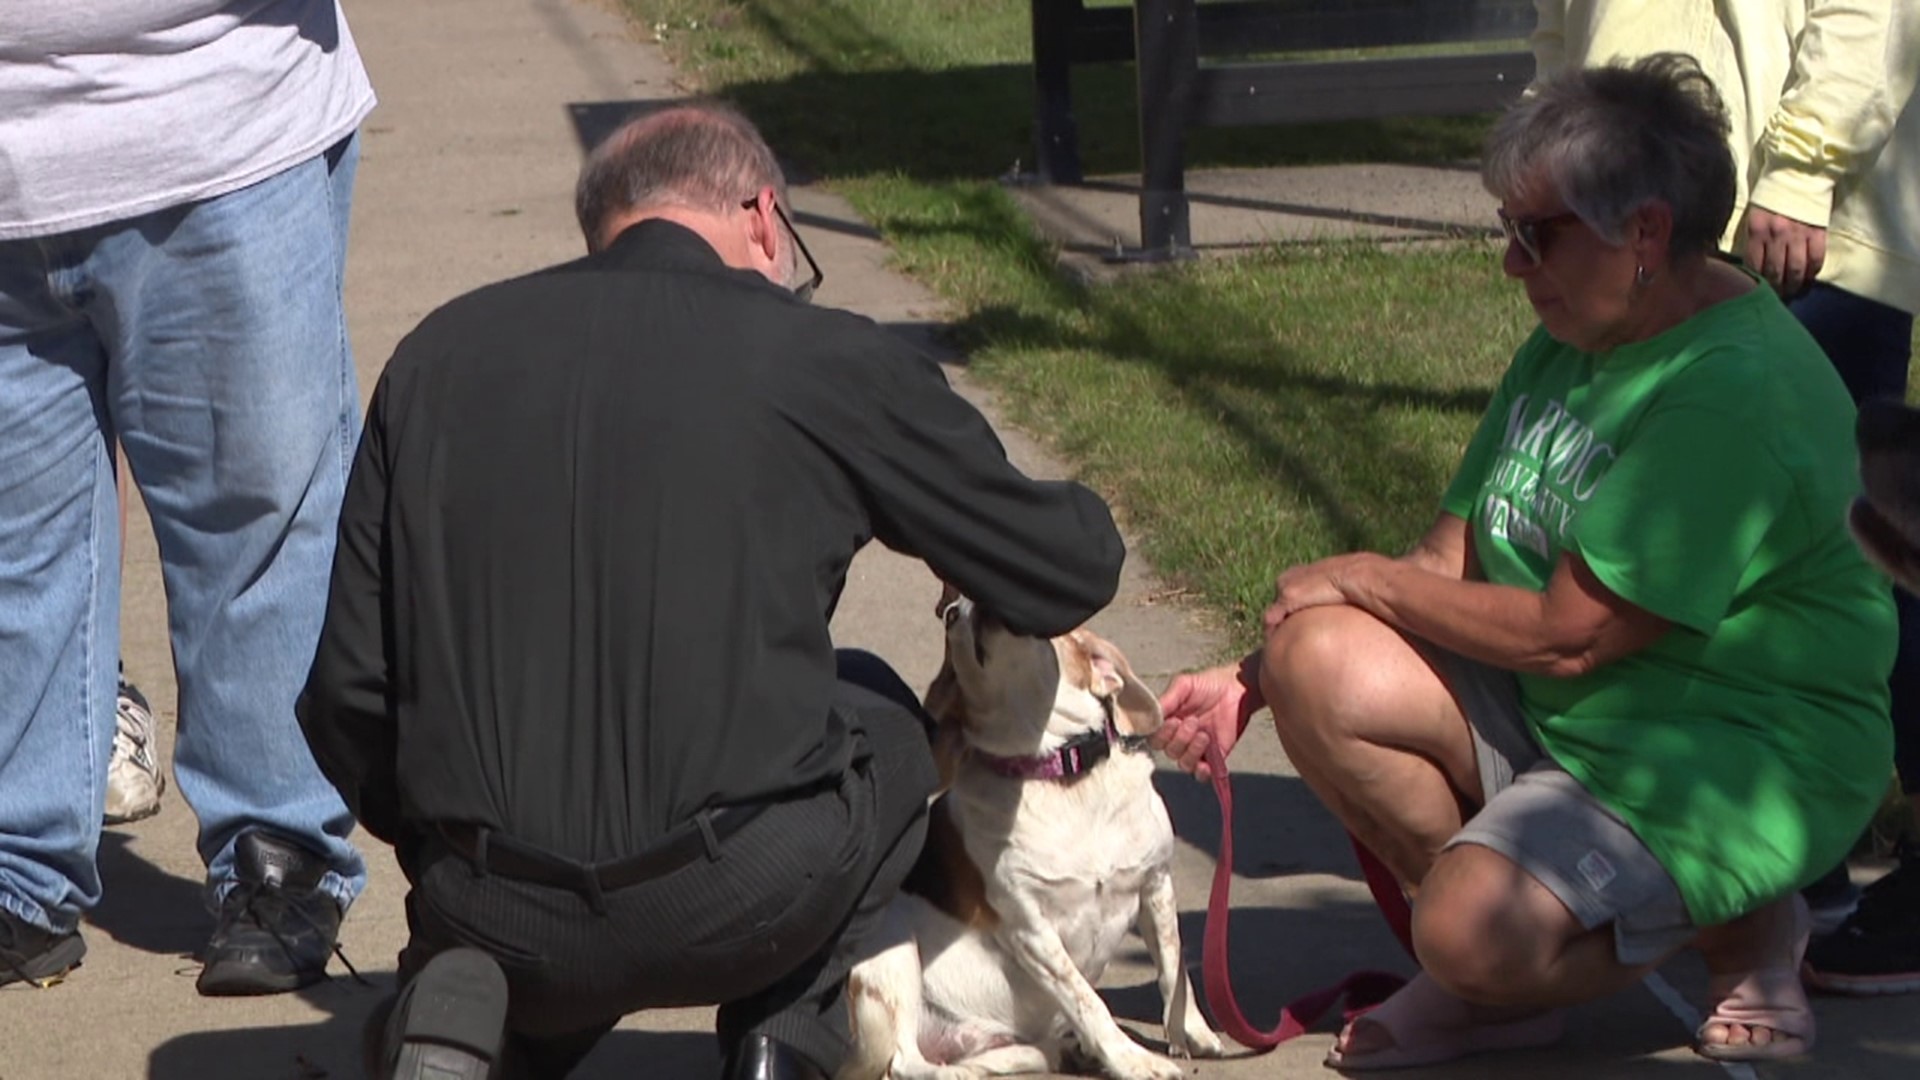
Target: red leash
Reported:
point(1362, 990)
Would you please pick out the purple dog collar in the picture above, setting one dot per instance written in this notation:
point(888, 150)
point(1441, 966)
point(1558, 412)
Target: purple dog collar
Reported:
point(1077, 756)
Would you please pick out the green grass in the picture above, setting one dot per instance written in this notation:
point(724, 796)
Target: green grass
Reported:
point(1243, 414)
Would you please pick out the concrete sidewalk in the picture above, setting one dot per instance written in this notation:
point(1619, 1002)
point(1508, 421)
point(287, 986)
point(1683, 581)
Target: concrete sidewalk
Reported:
point(466, 178)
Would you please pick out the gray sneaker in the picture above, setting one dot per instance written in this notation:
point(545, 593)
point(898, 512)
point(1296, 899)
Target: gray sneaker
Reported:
point(134, 782)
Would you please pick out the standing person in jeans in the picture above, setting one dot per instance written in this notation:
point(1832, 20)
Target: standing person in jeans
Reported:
point(174, 185)
point(1827, 142)
point(577, 664)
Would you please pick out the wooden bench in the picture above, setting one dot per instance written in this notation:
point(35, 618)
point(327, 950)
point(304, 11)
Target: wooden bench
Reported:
point(1167, 39)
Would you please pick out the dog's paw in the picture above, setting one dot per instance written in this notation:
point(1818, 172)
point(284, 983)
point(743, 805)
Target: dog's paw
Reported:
point(1138, 1063)
point(1199, 1042)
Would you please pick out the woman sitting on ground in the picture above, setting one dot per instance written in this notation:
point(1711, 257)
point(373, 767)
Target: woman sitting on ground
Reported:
point(1629, 692)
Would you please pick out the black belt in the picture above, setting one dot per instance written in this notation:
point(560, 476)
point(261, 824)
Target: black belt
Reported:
point(493, 852)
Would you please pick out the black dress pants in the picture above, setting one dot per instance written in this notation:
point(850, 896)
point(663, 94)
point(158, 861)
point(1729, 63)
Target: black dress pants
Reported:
point(767, 928)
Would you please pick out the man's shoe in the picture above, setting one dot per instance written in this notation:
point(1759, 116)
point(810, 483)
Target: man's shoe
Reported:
point(1877, 950)
point(134, 782)
point(449, 1022)
point(276, 927)
point(39, 957)
point(759, 1057)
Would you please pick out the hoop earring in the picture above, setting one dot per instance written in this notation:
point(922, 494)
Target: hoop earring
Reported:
point(1642, 276)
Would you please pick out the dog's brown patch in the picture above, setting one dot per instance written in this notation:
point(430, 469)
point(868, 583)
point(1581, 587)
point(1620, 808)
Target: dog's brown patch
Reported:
point(946, 877)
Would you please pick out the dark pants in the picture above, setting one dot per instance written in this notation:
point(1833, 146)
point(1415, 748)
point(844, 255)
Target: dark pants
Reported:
point(767, 927)
point(1871, 344)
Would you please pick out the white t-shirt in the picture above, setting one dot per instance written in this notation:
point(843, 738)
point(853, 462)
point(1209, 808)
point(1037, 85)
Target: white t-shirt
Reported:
point(110, 109)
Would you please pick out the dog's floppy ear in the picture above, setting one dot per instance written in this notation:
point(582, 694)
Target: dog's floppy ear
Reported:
point(1136, 711)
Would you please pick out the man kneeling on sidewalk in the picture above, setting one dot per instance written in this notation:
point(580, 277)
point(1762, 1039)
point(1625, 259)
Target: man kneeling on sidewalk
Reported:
point(576, 665)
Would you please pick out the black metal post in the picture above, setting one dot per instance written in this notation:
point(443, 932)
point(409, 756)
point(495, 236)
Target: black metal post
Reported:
point(1167, 44)
point(1056, 139)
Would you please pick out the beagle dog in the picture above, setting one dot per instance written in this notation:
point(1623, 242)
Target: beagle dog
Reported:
point(1048, 844)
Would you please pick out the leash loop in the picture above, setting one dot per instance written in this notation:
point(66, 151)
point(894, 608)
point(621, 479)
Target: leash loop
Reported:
point(1362, 990)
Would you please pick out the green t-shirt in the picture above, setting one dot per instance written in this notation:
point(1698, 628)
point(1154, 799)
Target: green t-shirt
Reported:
point(1704, 475)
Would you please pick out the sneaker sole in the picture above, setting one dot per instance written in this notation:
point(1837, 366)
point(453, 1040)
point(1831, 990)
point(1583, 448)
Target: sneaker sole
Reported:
point(247, 980)
point(141, 814)
point(50, 967)
point(424, 1062)
point(455, 1020)
point(138, 813)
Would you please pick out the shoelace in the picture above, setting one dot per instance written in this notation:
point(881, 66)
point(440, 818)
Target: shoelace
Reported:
point(252, 892)
point(133, 732)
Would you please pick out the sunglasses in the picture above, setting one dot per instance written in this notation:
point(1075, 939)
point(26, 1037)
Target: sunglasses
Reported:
point(1527, 232)
point(805, 290)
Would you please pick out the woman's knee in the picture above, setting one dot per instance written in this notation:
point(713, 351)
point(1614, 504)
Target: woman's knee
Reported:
point(1486, 930)
point(1308, 661)
point(1324, 673)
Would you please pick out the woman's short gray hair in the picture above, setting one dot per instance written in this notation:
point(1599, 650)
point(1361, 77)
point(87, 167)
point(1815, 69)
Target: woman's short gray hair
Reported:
point(1611, 139)
point(703, 155)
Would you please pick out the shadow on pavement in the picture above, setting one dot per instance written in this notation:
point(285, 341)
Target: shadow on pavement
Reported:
point(331, 1049)
point(1279, 827)
point(145, 907)
point(328, 1049)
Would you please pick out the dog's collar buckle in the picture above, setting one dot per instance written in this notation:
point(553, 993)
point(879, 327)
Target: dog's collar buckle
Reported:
point(1075, 757)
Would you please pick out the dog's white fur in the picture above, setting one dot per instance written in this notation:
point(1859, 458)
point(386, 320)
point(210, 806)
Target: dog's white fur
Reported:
point(1027, 887)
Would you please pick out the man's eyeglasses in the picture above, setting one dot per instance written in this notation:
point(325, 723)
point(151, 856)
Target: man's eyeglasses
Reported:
point(805, 290)
point(1527, 232)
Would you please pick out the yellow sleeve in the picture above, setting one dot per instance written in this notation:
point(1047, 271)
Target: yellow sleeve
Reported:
point(1853, 71)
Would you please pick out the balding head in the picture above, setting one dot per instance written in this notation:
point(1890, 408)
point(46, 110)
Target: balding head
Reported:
point(703, 157)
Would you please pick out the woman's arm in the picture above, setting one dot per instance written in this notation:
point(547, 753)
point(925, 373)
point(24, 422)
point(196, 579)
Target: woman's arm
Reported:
point(1446, 549)
point(1572, 627)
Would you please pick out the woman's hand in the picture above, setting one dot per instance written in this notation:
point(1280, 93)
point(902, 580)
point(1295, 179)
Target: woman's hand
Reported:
point(1342, 579)
point(1787, 253)
point(1205, 709)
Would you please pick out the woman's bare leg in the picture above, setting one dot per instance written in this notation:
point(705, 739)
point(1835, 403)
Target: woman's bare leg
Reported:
point(1373, 732)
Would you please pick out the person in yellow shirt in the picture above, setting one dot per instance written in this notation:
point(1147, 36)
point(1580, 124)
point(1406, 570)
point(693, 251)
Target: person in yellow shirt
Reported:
point(1826, 142)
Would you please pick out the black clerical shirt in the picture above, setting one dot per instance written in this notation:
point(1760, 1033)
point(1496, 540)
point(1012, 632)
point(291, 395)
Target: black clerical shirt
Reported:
point(596, 527)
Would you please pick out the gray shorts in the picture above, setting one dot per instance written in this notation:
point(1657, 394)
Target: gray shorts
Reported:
point(1539, 816)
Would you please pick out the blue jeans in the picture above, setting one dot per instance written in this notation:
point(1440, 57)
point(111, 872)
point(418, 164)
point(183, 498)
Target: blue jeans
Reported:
point(1870, 344)
point(209, 339)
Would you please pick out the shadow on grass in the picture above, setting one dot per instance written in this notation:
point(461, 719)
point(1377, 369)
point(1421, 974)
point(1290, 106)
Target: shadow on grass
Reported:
point(867, 109)
point(975, 123)
point(885, 95)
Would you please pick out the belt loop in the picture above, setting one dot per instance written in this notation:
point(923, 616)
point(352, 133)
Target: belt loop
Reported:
point(704, 819)
point(590, 890)
point(480, 834)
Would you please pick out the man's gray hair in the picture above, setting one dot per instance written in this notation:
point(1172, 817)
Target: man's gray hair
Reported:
point(1609, 140)
point(702, 155)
